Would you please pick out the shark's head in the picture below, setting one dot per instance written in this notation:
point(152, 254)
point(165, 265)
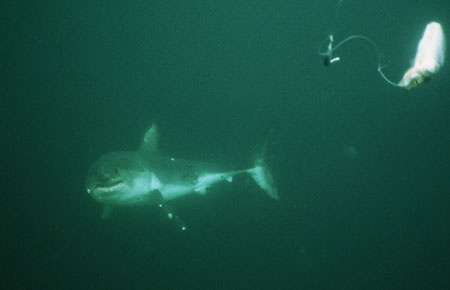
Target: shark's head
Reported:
point(120, 178)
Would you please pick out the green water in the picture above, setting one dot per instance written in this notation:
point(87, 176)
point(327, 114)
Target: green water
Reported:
point(362, 168)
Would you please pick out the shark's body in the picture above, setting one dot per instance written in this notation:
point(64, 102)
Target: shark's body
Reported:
point(146, 177)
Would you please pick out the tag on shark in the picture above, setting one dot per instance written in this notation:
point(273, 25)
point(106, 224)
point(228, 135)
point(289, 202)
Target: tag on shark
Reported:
point(145, 177)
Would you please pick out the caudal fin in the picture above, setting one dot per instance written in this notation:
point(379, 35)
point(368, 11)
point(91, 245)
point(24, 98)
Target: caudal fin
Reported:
point(260, 171)
point(263, 178)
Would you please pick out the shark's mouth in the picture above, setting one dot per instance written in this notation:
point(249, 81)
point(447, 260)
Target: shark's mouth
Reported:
point(111, 188)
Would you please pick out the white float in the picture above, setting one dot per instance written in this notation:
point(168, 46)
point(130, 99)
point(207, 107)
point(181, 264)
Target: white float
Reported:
point(429, 58)
point(428, 61)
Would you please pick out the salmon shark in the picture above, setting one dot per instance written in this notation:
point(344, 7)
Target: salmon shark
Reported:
point(145, 176)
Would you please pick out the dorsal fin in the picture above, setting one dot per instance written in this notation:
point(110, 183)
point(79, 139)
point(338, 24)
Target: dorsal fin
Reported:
point(151, 140)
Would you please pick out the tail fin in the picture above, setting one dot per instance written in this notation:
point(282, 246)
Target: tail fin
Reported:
point(261, 173)
point(263, 178)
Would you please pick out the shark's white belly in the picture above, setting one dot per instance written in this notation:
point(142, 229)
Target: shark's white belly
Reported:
point(172, 191)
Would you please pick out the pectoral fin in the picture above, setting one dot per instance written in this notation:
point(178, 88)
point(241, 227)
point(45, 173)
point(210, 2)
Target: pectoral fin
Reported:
point(107, 210)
